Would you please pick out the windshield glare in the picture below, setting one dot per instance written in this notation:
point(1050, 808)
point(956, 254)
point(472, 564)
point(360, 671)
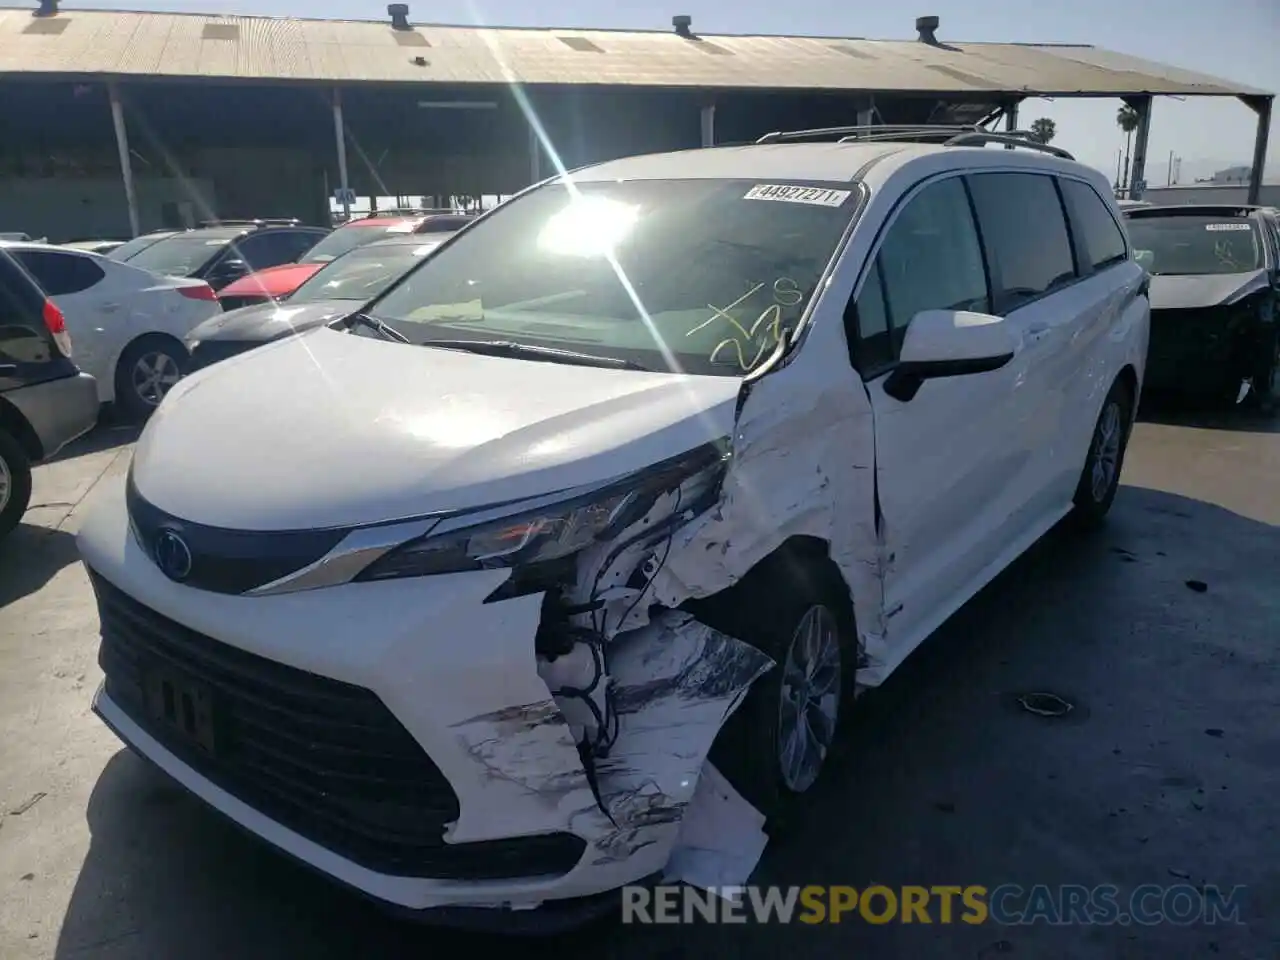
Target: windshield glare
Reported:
point(363, 273)
point(348, 238)
point(695, 275)
point(1183, 245)
point(179, 256)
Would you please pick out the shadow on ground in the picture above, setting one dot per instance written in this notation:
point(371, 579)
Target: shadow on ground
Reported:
point(107, 434)
point(29, 558)
point(1164, 772)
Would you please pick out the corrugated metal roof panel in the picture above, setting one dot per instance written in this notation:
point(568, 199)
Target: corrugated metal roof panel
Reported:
point(266, 48)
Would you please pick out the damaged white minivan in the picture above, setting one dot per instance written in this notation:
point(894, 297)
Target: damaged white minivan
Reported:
point(589, 527)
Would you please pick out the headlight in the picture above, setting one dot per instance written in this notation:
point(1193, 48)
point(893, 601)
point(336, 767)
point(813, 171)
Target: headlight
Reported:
point(550, 532)
point(191, 345)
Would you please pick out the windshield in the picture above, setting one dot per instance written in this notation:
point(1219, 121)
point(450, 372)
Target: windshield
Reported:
point(695, 275)
point(179, 256)
point(130, 248)
point(1195, 245)
point(348, 238)
point(363, 273)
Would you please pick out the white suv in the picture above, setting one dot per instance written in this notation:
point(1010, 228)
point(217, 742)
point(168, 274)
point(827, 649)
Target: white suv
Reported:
point(450, 599)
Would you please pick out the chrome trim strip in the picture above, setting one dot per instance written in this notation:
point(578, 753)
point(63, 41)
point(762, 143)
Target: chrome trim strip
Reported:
point(340, 565)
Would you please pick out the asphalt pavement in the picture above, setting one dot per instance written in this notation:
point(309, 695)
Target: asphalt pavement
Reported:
point(1161, 632)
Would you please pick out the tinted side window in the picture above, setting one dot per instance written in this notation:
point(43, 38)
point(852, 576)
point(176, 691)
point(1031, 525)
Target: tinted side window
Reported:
point(298, 242)
point(60, 274)
point(1094, 226)
point(930, 259)
point(262, 250)
point(1025, 234)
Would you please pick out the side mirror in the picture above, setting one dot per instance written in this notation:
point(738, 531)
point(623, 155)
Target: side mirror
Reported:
point(229, 270)
point(950, 343)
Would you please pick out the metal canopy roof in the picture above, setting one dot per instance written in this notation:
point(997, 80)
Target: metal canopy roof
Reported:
point(83, 43)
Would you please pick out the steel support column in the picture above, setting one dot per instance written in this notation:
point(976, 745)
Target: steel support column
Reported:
point(126, 163)
point(340, 141)
point(535, 155)
point(1138, 172)
point(1011, 120)
point(1262, 107)
point(708, 119)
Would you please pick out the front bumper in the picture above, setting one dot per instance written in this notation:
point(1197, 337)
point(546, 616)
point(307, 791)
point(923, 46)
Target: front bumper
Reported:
point(1200, 351)
point(483, 756)
point(58, 410)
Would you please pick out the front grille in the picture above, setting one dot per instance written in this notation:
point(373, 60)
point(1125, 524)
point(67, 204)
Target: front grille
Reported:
point(324, 758)
point(236, 302)
point(208, 352)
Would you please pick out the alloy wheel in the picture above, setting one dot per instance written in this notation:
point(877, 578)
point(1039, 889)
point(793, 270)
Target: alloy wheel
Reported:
point(1106, 456)
point(6, 484)
point(810, 698)
point(154, 375)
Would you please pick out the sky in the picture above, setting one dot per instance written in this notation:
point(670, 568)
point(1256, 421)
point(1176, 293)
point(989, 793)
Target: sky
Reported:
point(1234, 39)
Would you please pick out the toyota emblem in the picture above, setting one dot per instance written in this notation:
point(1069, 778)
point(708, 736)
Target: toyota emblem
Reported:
point(173, 556)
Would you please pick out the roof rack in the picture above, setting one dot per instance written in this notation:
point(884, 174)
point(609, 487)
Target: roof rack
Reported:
point(264, 222)
point(409, 212)
point(947, 135)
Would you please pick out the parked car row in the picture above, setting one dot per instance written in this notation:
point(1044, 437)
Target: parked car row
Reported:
point(142, 313)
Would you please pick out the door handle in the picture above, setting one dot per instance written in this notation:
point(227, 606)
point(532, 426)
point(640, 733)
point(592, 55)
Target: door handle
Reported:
point(109, 307)
point(1038, 329)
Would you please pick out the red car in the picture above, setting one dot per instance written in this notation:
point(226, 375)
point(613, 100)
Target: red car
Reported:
point(278, 283)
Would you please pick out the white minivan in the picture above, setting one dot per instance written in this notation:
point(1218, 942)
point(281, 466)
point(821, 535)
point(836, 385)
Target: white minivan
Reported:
point(624, 488)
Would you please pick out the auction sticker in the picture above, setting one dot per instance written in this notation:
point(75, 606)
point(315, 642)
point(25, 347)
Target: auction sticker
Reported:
point(1227, 226)
point(816, 196)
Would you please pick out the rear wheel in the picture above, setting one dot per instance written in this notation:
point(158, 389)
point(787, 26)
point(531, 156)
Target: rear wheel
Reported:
point(1100, 477)
point(148, 369)
point(15, 482)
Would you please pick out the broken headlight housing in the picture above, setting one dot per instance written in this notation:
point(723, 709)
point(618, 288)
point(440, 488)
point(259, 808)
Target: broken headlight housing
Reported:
point(554, 530)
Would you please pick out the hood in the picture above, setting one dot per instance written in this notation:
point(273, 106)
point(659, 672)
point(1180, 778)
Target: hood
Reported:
point(272, 282)
point(1208, 290)
point(269, 321)
point(329, 429)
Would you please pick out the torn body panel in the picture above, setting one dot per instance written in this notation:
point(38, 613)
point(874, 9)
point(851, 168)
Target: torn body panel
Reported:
point(802, 465)
point(672, 684)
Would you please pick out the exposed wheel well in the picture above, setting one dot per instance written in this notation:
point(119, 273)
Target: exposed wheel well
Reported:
point(1129, 377)
point(799, 557)
point(15, 424)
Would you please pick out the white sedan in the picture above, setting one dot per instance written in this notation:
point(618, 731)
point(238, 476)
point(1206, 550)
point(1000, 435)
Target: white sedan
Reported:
point(127, 324)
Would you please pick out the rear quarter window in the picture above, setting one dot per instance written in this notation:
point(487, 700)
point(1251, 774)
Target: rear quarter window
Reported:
point(60, 274)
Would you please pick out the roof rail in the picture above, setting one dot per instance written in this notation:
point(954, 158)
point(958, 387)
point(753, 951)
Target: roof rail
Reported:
point(409, 212)
point(879, 131)
point(1012, 138)
point(968, 135)
point(264, 222)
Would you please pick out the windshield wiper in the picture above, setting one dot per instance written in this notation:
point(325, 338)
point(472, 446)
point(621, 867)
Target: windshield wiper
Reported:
point(377, 326)
point(508, 348)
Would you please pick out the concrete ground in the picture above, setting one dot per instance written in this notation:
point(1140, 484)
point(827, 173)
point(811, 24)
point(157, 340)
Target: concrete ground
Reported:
point(1162, 630)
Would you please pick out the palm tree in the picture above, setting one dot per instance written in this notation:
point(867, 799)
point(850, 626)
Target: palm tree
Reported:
point(1127, 120)
point(1043, 130)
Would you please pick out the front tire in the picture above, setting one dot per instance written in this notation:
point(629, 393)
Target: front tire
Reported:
point(1100, 478)
point(15, 483)
point(147, 371)
point(775, 746)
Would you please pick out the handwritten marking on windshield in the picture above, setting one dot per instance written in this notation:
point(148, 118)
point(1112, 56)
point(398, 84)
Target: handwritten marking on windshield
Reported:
point(762, 335)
